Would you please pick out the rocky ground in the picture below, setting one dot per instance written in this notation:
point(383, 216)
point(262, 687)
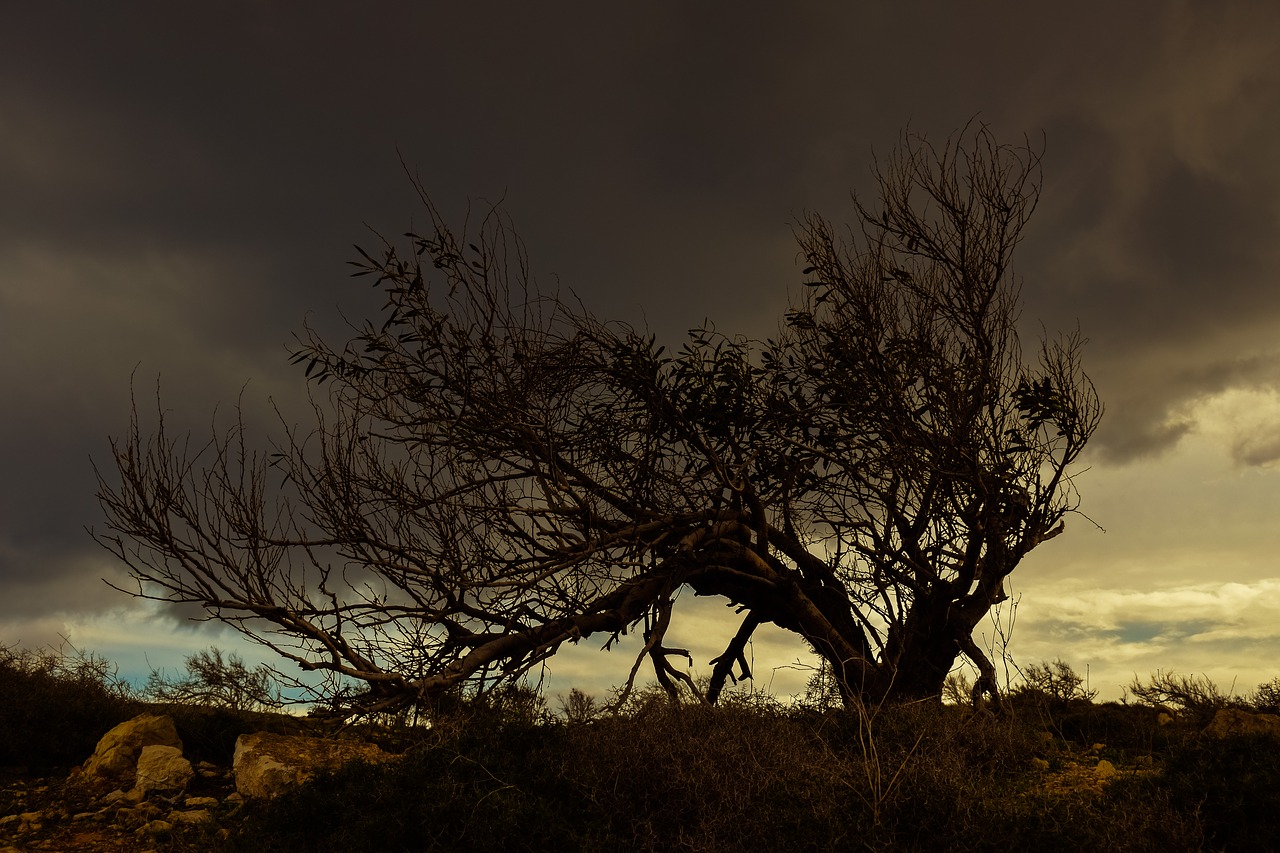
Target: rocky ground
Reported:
point(76, 813)
point(139, 792)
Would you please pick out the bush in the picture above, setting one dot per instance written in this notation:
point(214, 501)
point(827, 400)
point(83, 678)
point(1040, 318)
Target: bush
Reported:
point(1266, 699)
point(1233, 784)
point(209, 734)
point(215, 682)
point(1120, 726)
point(701, 778)
point(752, 775)
point(1194, 695)
point(1054, 683)
point(55, 705)
point(487, 789)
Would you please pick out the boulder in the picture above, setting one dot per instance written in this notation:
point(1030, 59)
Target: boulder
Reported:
point(1232, 721)
point(267, 764)
point(163, 769)
point(118, 750)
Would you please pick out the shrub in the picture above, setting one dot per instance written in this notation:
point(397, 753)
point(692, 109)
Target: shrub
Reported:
point(1194, 695)
point(751, 775)
point(579, 708)
point(209, 734)
point(1266, 699)
point(1120, 726)
point(1234, 785)
point(55, 704)
point(216, 682)
point(957, 689)
point(709, 778)
point(1056, 683)
point(495, 788)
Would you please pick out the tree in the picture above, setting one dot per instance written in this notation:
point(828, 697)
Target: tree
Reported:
point(1194, 694)
point(217, 682)
point(495, 472)
point(1055, 684)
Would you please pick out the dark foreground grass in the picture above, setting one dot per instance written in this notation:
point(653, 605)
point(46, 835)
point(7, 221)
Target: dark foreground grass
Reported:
point(748, 775)
point(724, 779)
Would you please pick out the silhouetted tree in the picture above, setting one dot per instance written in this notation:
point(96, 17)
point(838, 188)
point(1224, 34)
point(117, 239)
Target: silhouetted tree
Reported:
point(217, 682)
point(495, 472)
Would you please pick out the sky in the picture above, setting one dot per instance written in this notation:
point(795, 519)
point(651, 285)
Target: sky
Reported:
point(181, 186)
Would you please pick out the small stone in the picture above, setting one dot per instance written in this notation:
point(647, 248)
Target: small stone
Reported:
point(1098, 747)
point(83, 816)
point(192, 816)
point(131, 818)
point(1105, 769)
point(112, 798)
point(155, 829)
point(234, 797)
point(200, 802)
point(209, 770)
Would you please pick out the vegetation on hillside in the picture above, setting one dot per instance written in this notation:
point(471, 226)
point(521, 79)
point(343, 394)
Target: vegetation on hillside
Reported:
point(503, 771)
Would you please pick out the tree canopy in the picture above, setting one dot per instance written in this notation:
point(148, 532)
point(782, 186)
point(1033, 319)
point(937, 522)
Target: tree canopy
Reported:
point(494, 471)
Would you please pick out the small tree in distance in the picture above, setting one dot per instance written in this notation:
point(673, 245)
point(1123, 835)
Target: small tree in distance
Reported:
point(1193, 694)
point(495, 472)
point(1056, 683)
point(217, 682)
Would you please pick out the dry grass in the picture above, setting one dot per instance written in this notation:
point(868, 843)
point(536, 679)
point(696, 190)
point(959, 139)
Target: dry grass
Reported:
point(746, 775)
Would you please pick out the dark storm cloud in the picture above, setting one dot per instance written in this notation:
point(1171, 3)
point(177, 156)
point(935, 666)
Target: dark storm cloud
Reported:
point(1202, 234)
point(1160, 224)
point(182, 184)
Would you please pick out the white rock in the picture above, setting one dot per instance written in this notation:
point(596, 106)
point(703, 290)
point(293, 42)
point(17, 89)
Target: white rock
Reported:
point(267, 764)
point(162, 768)
point(118, 750)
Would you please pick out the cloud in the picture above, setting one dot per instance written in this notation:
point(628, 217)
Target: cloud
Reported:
point(1243, 421)
point(1229, 631)
point(1160, 222)
point(178, 203)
